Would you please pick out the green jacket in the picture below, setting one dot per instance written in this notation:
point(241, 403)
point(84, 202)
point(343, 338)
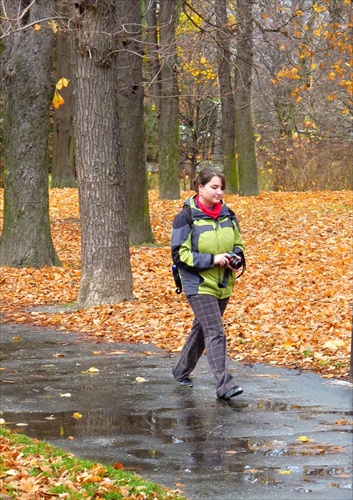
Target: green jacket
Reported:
point(196, 239)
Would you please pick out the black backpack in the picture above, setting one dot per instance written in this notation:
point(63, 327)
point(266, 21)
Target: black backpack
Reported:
point(175, 268)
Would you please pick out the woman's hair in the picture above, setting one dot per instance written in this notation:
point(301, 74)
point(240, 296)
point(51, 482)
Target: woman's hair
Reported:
point(206, 175)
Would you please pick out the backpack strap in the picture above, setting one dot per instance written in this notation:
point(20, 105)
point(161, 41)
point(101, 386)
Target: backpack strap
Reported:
point(187, 209)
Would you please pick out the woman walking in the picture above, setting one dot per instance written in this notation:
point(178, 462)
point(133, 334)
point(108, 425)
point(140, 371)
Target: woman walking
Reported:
point(207, 248)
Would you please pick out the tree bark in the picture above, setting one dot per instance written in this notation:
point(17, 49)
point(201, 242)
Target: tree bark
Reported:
point(106, 271)
point(26, 75)
point(247, 168)
point(63, 166)
point(217, 145)
point(227, 98)
point(131, 120)
point(168, 122)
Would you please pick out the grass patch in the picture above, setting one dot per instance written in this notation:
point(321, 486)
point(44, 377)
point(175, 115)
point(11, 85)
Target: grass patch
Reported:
point(39, 470)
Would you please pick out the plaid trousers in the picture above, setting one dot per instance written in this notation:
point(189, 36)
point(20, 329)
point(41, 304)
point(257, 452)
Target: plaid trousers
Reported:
point(207, 332)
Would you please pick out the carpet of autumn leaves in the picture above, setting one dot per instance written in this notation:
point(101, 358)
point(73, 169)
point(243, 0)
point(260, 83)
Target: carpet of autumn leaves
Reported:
point(292, 307)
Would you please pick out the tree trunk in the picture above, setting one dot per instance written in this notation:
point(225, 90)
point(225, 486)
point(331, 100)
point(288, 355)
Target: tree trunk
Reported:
point(26, 75)
point(106, 271)
point(168, 123)
point(227, 98)
point(63, 166)
point(247, 168)
point(131, 120)
point(152, 50)
point(217, 144)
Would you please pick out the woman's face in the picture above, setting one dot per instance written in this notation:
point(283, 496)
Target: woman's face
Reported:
point(212, 192)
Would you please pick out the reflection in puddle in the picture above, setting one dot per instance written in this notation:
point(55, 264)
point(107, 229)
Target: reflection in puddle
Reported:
point(93, 423)
point(278, 406)
point(148, 454)
point(281, 448)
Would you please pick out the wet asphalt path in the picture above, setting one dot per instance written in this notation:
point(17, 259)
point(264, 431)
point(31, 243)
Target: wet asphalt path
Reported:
point(134, 413)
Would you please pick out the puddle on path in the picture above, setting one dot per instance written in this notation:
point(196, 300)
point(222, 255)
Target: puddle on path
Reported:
point(159, 422)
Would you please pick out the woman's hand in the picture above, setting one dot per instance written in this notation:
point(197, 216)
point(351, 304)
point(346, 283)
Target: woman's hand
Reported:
point(221, 259)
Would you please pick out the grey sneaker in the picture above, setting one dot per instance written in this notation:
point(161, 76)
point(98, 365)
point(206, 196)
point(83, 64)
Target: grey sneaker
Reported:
point(236, 391)
point(186, 381)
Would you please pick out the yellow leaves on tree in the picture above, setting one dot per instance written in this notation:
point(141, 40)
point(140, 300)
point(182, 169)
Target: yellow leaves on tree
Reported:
point(319, 8)
point(189, 22)
point(290, 73)
point(201, 70)
point(58, 99)
point(53, 25)
point(320, 40)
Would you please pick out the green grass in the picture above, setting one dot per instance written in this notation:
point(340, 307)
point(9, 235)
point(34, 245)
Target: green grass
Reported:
point(61, 473)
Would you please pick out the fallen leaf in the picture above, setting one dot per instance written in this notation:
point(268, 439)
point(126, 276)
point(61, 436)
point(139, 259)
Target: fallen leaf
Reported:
point(29, 485)
point(290, 344)
point(333, 344)
point(91, 478)
point(93, 369)
point(305, 439)
point(344, 421)
point(11, 472)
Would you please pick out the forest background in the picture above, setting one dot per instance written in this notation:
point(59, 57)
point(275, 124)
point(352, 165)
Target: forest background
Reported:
point(262, 90)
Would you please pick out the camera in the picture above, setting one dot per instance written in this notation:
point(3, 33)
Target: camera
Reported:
point(235, 261)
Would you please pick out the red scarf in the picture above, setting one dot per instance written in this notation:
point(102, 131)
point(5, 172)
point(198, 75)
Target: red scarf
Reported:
point(211, 212)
